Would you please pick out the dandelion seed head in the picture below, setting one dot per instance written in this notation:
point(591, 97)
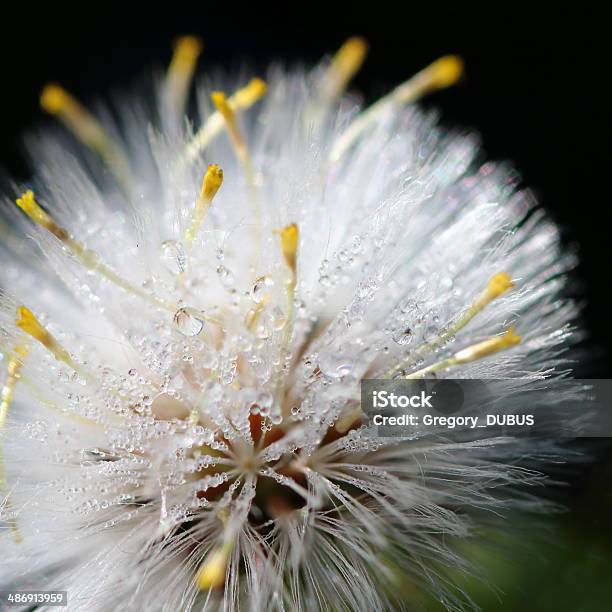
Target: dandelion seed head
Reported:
point(189, 308)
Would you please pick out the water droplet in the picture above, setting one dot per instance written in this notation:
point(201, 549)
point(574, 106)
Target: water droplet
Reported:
point(173, 256)
point(335, 366)
point(279, 319)
point(265, 399)
point(258, 291)
point(402, 336)
point(367, 289)
point(408, 306)
point(225, 276)
point(188, 321)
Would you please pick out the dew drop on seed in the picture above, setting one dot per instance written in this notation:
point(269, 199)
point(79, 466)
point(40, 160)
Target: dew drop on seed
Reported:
point(173, 256)
point(225, 276)
point(335, 366)
point(408, 306)
point(279, 318)
point(265, 399)
point(258, 291)
point(187, 322)
point(402, 336)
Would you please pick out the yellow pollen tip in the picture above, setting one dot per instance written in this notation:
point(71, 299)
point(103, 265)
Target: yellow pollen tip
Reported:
point(219, 99)
point(499, 284)
point(212, 182)
point(350, 56)
point(30, 207)
point(446, 71)
point(27, 202)
point(27, 322)
point(30, 325)
point(54, 99)
point(343, 67)
point(509, 338)
point(254, 90)
point(354, 47)
point(212, 573)
point(187, 49)
point(240, 100)
point(289, 237)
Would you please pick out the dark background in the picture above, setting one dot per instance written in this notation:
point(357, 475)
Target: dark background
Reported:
point(537, 90)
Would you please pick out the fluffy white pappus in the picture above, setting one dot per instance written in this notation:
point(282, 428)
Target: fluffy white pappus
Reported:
point(181, 426)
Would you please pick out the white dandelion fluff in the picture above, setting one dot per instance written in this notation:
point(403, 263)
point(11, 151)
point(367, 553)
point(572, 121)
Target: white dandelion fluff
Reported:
point(185, 335)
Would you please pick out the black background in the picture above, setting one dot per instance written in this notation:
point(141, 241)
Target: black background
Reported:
point(536, 88)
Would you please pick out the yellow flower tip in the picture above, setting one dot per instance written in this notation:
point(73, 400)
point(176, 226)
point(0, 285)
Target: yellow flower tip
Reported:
point(258, 87)
point(54, 98)
point(352, 53)
point(446, 71)
point(343, 66)
point(499, 284)
point(509, 338)
point(289, 237)
point(357, 44)
point(188, 48)
point(219, 99)
point(212, 574)
point(27, 202)
point(30, 324)
point(212, 181)
point(246, 96)
point(27, 322)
